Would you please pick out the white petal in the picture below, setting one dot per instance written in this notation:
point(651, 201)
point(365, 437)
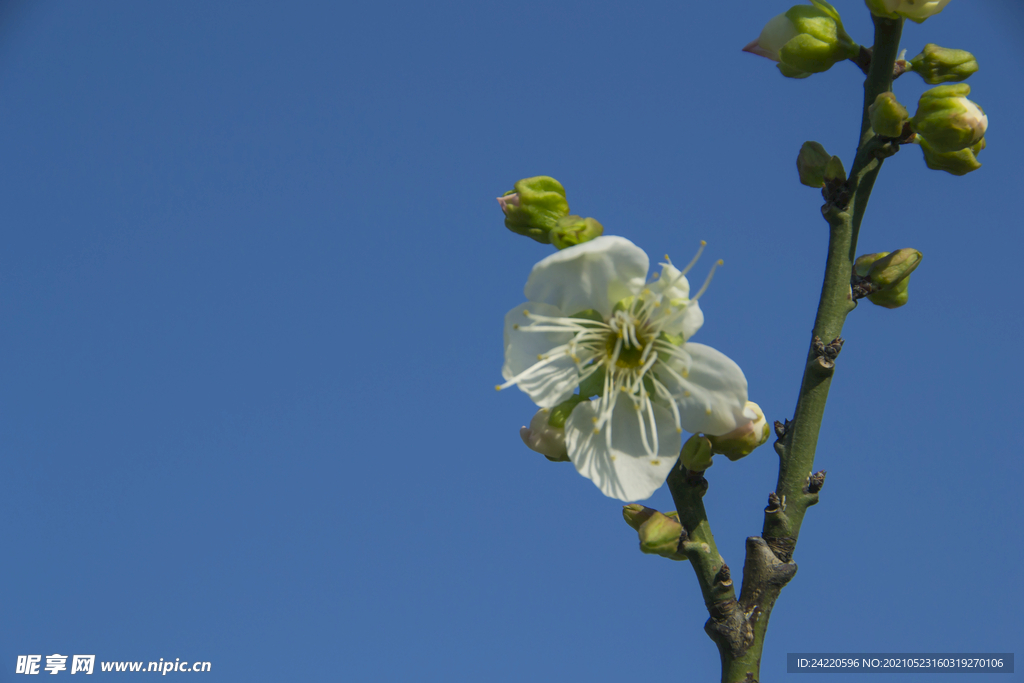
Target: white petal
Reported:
point(625, 471)
point(596, 274)
point(712, 396)
point(552, 381)
point(675, 290)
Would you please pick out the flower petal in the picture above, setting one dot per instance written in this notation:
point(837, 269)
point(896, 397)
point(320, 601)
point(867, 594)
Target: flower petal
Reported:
point(711, 394)
point(673, 286)
point(624, 471)
point(596, 274)
point(550, 381)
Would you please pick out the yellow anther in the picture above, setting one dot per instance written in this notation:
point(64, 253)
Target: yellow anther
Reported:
point(707, 411)
point(686, 394)
point(679, 430)
point(594, 420)
point(655, 462)
point(596, 430)
point(613, 457)
point(703, 243)
point(526, 313)
point(516, 326)
point(497, 387)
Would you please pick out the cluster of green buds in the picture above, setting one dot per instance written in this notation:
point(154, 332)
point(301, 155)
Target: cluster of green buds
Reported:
point(885, 276)
point(950, 129)
point(536, 207)
point(915, 10)
point(805, 39)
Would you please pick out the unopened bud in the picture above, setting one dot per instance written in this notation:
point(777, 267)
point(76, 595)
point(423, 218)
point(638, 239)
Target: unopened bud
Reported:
point(888, 116)
point(534, 207)
point(696, 453)
point(806, 39)
point(741, 441)
point(544, 438)
point(660, 535)
point(941, 65)
point(960, 162)
point(948, 120)
point(915, 10)
point(573, 230)
point(811, 163)
point(888, 275)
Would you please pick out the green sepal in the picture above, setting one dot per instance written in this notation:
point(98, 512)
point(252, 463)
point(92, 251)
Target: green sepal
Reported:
point(593, 385)
point(560, 413)
point(573, 230)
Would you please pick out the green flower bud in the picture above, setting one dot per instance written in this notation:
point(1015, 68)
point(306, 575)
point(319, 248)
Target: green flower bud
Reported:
point(534, 207)
point(660, 535)
point(811, 164)
point(696, 453)
point(961, 162)
point(888, 275)
point(948, 120)
point(941, 65)
point(888, 116)
point(741, 441)
point(915, 10)
point(806, 39)
point(573, 230)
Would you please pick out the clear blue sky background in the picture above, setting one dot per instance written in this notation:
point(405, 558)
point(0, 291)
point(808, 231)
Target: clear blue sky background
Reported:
point(252, 283)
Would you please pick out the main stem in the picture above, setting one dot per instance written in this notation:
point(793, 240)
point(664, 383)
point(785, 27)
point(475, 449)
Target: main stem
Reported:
point(738, 626)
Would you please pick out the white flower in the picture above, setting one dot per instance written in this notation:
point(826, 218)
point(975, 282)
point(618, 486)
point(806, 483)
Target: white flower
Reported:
point(916, 10)
point(630, 344)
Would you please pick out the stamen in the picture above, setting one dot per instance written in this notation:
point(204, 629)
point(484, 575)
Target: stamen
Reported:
point(707, 282)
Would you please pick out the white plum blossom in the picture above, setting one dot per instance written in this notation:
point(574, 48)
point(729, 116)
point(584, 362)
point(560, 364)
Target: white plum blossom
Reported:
point(592, 317)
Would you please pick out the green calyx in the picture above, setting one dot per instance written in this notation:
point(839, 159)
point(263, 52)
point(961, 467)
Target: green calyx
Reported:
point(888, 116)
point(942, 65)
point(820, 42)
point(560, 413)
point(960, 162)
point(696, 453)
point(534, 207)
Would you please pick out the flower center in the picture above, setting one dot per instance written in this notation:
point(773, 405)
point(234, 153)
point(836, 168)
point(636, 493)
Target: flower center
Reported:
point(626, 341)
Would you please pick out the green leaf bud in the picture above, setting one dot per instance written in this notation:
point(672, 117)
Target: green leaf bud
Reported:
point(660, 535)
point(534, 207)
point(696, 453)
point(834, 171)
point(888, 116)
point(960, 162)
point(915, 10)
point(948, 120)
point(811, 163)
point(863, 265)
point(942, 65)
point(741, 441)
point(573, 230)
point(804, 40)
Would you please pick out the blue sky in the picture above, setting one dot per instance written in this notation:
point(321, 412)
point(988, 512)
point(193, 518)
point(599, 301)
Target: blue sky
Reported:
point(252, 285)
